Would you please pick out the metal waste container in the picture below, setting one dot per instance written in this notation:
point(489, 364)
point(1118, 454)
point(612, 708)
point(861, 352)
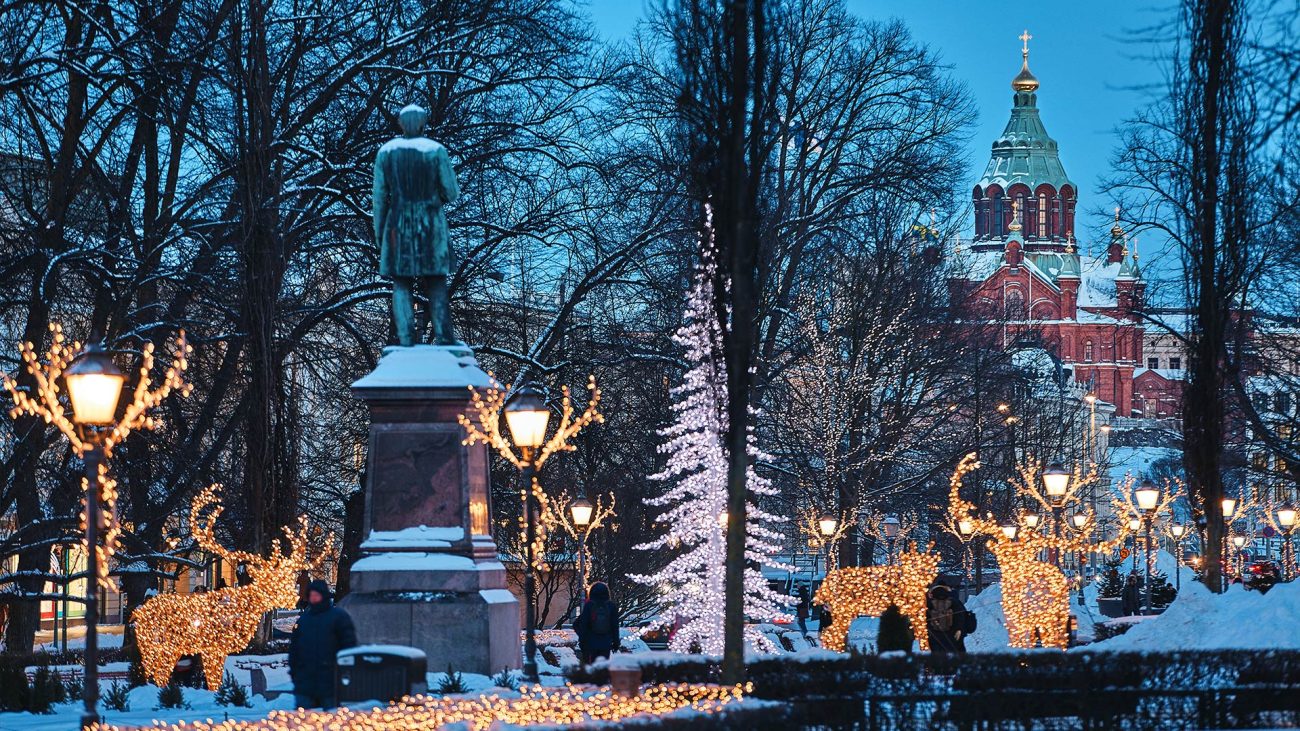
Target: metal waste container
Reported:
point(379, 673)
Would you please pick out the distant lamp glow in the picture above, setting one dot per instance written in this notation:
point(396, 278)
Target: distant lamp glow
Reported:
point(581, 510)
point(1178, 530)
point(890, 525)
point(1286, 515)
point(94, 387)
point(1032, 520)
point(1134, 524)
point(965, 528)
point(1009, 530)
point(1090, 398)
point(828, 524)
point(1147, 496)
point(722, 518)
point(527, 416)
point(1057, 481)
point(1239, 541)
point(1080, 520)
point(1229, 507)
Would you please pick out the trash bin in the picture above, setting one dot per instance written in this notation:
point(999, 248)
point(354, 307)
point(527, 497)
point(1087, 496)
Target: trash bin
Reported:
point(380, 673)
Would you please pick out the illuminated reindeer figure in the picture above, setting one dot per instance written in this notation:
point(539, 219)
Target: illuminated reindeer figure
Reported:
point(867, 591)
point(217, 623)
point(1035, 596)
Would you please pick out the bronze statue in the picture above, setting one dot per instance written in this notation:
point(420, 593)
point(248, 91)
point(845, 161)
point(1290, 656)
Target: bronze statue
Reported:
point(413, 180)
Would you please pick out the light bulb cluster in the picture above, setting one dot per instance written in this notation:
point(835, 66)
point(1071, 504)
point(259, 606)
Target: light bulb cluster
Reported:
point(534, 706)
point(867, 591)
point(221, 622)
point(695, 518)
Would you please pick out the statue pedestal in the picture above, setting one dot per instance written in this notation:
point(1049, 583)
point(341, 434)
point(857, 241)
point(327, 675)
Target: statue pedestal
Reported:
point(430, 576)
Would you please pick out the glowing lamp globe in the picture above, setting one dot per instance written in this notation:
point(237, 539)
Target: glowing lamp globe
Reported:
point(1286, 515)
point(1239, 541)
point(1229, 507)
point(1178, 530)
point(722, 518)
point(1032, 520)
point(890, 525)
point(965, 527)
point(1079, 520)
point(1009, 530)
point(1057, 481)
point(94, 387)
point(1134, 524)
point(581, 510)
point(527, 416)
point(1147, 495)
point(827, 524)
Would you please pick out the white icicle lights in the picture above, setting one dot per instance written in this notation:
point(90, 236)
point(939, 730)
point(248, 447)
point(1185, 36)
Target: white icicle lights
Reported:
point(691, 585)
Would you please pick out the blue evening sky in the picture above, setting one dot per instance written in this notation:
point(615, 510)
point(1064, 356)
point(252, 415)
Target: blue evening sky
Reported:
point(1091, 72)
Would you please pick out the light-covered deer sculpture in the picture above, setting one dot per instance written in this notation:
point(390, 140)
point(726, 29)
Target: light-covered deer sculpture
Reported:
point(218, 623)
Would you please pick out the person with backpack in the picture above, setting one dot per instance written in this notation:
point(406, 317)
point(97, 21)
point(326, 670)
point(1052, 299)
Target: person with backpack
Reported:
point(947, 620)
point(802, 610)
point(597, 625)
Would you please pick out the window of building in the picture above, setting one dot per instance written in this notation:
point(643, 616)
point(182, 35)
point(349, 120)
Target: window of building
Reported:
point(1015, 305)
point(1282, 402)
point(1087, 351)
point(1042, 216)
point(1153, 363)
point(1176, 363)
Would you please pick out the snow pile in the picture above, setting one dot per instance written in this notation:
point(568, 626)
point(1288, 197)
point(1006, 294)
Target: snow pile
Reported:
point(990, 633)
point(1202, 620)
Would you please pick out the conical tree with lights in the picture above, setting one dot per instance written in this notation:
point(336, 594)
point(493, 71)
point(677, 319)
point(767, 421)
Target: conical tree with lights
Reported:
point(696, 497)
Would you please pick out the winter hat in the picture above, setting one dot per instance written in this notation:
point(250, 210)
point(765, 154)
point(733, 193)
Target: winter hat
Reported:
point(599, 592)
point(322, 586)
point(939, 591)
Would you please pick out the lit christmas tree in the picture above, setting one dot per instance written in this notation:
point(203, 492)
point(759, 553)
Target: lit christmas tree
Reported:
point(696, 473)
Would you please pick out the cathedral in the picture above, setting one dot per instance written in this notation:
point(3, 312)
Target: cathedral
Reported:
point(1025, 274)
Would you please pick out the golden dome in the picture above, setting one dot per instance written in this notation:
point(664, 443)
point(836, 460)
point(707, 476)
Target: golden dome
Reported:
point(1025, 80)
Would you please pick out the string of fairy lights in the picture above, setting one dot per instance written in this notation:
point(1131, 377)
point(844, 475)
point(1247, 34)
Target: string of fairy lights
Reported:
point(219, 623)
point(534, 706)
point(867, 591)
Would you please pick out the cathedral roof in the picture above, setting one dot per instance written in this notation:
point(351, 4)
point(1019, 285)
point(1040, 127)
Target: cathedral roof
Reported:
point(1025, 153)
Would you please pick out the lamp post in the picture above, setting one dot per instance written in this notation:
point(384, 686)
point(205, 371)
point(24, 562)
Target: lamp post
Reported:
point(827, 524)
point(527, 416)
point(94, 388)
point(890, 526)
point(1056, 483)
point(965, 529)
point(1239, 542)
point(1178, 531)
point(1147, 496)
point(1135, 525)
point(1286, 518)
point(580, 510)
point(1229, 505)
point(1080, 523)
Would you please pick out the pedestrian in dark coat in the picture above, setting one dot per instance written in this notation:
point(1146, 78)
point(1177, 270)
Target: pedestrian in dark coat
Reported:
point(597, 624)
point(322, 630)
point(1131, 601)
point(802, 610)
point(947, 620)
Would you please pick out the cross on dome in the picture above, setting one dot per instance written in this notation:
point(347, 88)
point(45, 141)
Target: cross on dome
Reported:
point(1025, 38)
point(1024, 81)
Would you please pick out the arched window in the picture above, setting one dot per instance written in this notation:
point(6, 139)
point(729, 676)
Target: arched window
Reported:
point(1042, 215)
point(1087, 351)
point(1015, 305)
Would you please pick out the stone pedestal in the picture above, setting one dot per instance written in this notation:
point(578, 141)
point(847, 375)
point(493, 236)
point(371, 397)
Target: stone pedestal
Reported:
point(430, 576)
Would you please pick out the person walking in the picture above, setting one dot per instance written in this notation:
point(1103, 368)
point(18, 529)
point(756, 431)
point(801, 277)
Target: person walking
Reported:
point(322, 630)
point(1132, 597)
point(947, 620)
point(802, 610)
point(597, 624)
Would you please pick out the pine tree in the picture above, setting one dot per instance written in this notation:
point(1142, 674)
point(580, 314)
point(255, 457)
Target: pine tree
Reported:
point(696, 497)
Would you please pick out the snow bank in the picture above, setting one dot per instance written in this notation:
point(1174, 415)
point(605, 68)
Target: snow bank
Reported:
point(990, 633)
point(1202, 620)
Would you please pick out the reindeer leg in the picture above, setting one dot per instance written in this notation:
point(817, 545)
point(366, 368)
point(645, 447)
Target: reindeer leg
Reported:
point(214, 669)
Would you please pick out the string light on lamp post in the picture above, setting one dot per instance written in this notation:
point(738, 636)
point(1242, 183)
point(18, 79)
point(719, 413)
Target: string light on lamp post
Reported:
point(1147, 496)
point(527, 418)
point(1081, 522)
point(1284, 518)
point(890, 526)
point(1177, 532)
point(94, 391)
point(583, 518)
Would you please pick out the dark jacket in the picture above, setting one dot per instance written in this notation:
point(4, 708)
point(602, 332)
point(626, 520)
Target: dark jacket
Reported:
point(959, 623)
point(591, 639)
point(322, 630)
point(1131, 599)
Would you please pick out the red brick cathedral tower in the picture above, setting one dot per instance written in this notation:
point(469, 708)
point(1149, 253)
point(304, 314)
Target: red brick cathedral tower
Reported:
point(1024, 268)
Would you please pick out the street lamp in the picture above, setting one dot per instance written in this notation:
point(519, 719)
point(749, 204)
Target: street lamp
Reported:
point(1056, 481)
point(1286, 518)
point(1080, 523)
point(527, 416)
point(1009, 530)
point(827, 524)
point(1032, 520)
point(1178, 531)
point(1147, 496)
point(94, 387)
point(581, 510)
point(1135, 525)
point(890, 526)
point(1229, 507)
point(965, 529)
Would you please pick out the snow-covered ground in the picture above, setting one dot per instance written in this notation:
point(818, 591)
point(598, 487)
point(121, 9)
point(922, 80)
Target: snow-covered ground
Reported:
point(1201, 619)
